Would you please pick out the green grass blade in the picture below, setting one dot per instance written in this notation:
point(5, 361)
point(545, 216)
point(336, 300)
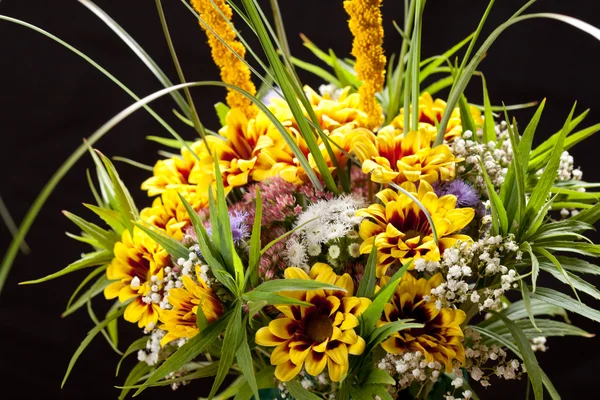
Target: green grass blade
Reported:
point(244, 360)
point(255, 243)
point(366, 287)
point(279, 285)
point(88, 260)
point(172, 246)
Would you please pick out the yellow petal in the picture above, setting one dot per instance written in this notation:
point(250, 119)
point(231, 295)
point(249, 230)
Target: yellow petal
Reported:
point(287, 371)
point(282, 327)
point(264, 337)
point(358, 347)
point(315, 363)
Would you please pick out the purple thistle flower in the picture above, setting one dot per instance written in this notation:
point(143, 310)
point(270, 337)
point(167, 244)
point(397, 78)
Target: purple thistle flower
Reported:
point(466, 195)
point(239, 229)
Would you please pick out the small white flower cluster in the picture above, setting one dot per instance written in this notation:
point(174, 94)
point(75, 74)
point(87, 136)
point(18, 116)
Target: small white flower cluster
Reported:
point(496, 157)
point(153, 348)
point(539, 344)
point(566, 169)
point(410, 367)
point(178, 374)
point(324, 224)
point(478, 355)
point(155, 295)
point(330, 90)
point(466, 395)
point(467, 261)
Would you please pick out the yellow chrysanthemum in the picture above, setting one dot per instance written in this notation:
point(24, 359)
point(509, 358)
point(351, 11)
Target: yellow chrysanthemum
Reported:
point(137, 259)
point(400, 230)
point(317, 336)
point(366, 27)
point(174, 174)
point(440, 339)
point(430, 113)
point(181, 320)
point(391, 156)
point(233, 70)
point(168, 214)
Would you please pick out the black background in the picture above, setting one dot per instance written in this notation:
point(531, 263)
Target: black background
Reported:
point(50, 99)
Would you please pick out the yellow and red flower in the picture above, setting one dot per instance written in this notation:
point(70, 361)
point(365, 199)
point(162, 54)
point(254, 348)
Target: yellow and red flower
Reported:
point(316, 336)
point(400, 230)
point(168, 214)
point(391, 156)
point(137, 259)
point(181, 320)
point(440, 339)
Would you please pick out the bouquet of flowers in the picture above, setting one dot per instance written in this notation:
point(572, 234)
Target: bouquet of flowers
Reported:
point(357, 241)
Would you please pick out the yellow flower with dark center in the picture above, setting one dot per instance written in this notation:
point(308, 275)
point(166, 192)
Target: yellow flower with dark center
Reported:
point(174, 174)
point(137, 260)
point(168, 214)
point(317, 336)
point(400, 230)
point(441, 337)
point(366, 27)
point(391, 156)
point(233, 70)
point(181, 320)
point(430, 113)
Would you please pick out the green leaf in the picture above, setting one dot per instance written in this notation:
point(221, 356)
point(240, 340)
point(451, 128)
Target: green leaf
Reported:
point(465, 115)
point(94, 259)
point(244, 360)
point(234, 334)
point(103, 237)
point(204, 371)
point(372, 314)
point(82, 284)
point(279, 285)
point(172, 246)
point(378, 376)
point(172, 143)
point(208, 250)
point(111, 217)
point(126, 205)
point(264, 379)
point(190, 350)
point(535, 264)
point(562, 300)
point(439, 60)
point(542, 188)
point(590, 216)
point(527, 303)
point(201, 320)
point(533, 369)
point(548, 328)
point(549, 256)
point(88, 339)
point(222, 110)
point(133, 348)
point(489, 130)
point(383, 332)
point(135, 375)
point(343, 73)
point(499, 217)
point(516, 311)
point(579, 266)
point(271, 298)
point(318, 71)
point(516, 207)
point(366, 287)
point(134, 163)
point(439, 85)
point(298, 392)
point(97, 288)
point(254, 255)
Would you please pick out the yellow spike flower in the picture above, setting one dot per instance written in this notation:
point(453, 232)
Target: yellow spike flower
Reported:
point(233, 70)
point(174, 174)
point(400, 230)
point(317, 336)
point(391, 156)
point(440, 339)
point(137, 259)
point(366, 26)
point(168, 214)
point(430, 113)
point(181, 320)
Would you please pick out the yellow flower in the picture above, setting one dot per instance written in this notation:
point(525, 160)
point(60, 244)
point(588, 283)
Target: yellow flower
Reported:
point(181, 320)
point(391, 156)
point(168, 214)
point(137, 259)
point(366, 26)
point(430, 113)
point(233, 70)
point(319, 335)
point(441, 337)
point(400, 230)
point(174, 174)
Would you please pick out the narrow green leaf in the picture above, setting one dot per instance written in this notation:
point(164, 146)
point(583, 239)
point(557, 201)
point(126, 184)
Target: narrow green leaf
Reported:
point(190, 350)
point(204, 371)
point(366, 287)
point(383, 332)
point(254, 256)
point(172, 246)
point(489, 130)
point(318, 71)
point(298, 392)
point(535, 264)
point(111, 217)
point(88, 260)
point(244, 360)
point(135, 375)
point(104, 238)
point(84, 282)
point(378, 376)
point(124, 200)
point(549, 256)
point(578, 266)
point(134, 163)
point(264, 379)
point(279, 285)
point(271, 298)
point(133, 348)
point(222, 110)
point(172, 143)
point(527, 303)
point(88, 339)
point(533, 369)
point(499, 217)
point(562, 300)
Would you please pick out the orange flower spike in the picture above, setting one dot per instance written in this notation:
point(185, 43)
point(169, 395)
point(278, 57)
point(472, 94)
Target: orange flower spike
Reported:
point(233, 70)
point(366, 26)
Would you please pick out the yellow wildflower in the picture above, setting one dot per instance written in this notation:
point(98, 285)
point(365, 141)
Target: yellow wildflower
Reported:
point(317, 336)
point(391, 156)
point(233, 70)
point(181, 320)
point(366, 26)
point(441, 337)
point(400, 230)
point(137, 259)
point(168, 214)
point(430, 113)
